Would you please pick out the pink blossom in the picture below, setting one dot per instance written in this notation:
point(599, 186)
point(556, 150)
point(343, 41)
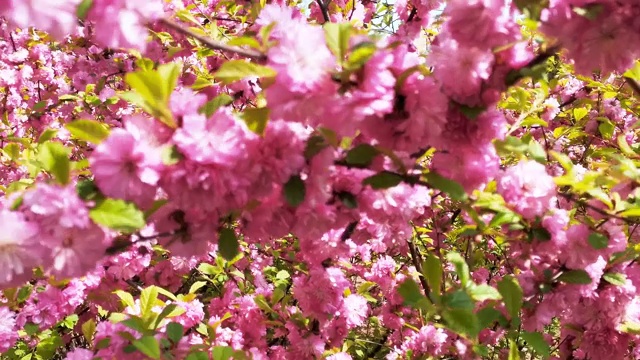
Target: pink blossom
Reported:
point(19, 249)
point(80, 354)
point(355, 309)
point(218, 140)
point(8, 331)
point(125, 169)
point(527, 188)
point(121, 23)
point(58, 17)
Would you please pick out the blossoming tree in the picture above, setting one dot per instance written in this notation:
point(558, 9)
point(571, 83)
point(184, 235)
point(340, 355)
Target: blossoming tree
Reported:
point(330, 179)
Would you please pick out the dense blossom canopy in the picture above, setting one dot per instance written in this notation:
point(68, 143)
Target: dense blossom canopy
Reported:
point(329, 179)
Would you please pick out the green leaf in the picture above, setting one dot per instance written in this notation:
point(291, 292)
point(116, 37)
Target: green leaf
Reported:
point(171, 310)
point(148, 299)
point(348, 199)
point(314, 146)
point(88, 130)
point(462, 269)
point(47, 135)
point(575, 277)
point(174, 332)
point(462, 321)
point(537, 152)
point(197, 356)
point(598, 241)
point(294, 191)
point(432, 272)
point(514, 354)
point(234, 70)
point(151, 90)
point(337, 37)
point(615, 278)
point(88, 329)
point(634, 72)
point(149, 346)
point(487, 316)
point(458, 299)
point(454, 189)
point(48, 346)
point(383, 180)
point(222, 352)
point(256, 119)
point(484, 292)
point(471, 112)
point(630, 327)
point(360, 54)
point(410, 292)
point(217, 102)
point(118, 215)
point(127, 299)
point(83, 9)
point(580, 113)
point(12, 150)
point(228, 245)
point(197, 286)
point(511, 294)
point(606, 128)
point(361, 155)
point(54, 157)
point(536, 341)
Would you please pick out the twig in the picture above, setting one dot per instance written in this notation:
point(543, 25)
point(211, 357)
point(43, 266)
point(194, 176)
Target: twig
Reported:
point(633, 84)
point(596, 209)
point(324, 8)
point(415, 258)
point(412, 14)
point(212, 44)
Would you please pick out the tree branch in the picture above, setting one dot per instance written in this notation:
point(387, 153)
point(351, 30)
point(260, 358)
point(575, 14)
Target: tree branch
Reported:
point(325, 11)
point(212, 44)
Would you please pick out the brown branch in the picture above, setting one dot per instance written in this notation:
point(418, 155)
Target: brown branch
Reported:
point(417, 263)
point(633, 85)
point(212, 44)
point(324, 8)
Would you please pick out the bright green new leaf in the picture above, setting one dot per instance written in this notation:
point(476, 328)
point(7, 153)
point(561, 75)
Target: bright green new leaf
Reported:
point(514, 353)
point(54, 158)
point(148, 299)
point(234, 70)
point(617, 279)
point(256, 119)
point(118, 215)
point(88, 130)
point(83, 9)
point(337, 37)
point(47, 135)
point(217, 102)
